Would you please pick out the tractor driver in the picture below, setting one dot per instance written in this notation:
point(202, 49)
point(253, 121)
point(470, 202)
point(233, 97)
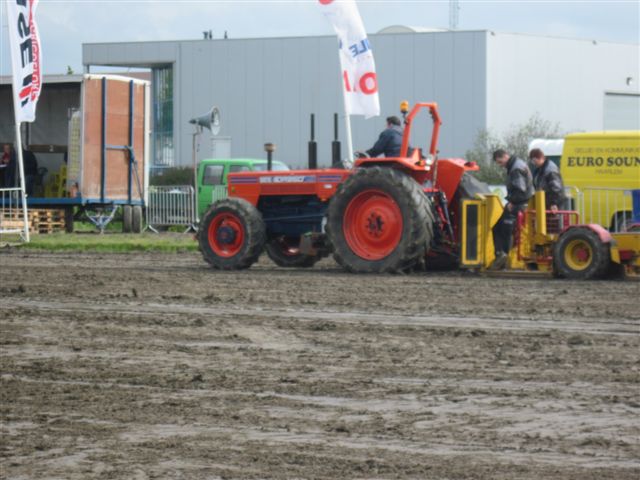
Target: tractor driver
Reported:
point(519, 190)
point(390, 140)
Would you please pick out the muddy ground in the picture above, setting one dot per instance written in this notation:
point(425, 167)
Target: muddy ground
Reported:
point(156, 366)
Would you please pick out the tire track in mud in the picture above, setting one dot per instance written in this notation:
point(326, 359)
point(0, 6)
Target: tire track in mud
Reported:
point(582, 325)
point(155, 366)
point(271, 435)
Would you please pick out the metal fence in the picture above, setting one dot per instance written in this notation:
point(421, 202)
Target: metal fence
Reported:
point(11, 214)
point(171, 206)
point(218, 192)
point(609, 207)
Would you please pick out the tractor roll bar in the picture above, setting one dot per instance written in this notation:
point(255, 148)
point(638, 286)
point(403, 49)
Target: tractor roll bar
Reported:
point(433, 110)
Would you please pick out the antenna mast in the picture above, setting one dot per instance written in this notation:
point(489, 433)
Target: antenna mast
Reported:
point(454, 9)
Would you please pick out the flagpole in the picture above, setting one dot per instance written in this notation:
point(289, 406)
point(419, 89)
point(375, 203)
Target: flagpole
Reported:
point(22, 185)
point(347, 125)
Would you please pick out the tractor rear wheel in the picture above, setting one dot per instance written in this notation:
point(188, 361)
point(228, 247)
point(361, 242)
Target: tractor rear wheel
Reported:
point(232, 234)
point(285, 252)
point(579, 254)
point(379, 220)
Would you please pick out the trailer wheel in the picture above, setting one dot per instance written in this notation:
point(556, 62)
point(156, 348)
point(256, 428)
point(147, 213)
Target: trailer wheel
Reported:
point(232, 234)
point(379, 220)
point(285, 252)
point(126, 218)
point(136, 219)
point(579, 254)
point(68, 220)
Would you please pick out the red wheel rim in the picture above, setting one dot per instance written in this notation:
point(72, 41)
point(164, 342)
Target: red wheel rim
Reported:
point(226, 234)
point(372, 225)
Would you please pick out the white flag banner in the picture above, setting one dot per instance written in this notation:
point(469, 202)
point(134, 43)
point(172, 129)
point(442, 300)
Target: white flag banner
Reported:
point(356, 58)
point(25, 58)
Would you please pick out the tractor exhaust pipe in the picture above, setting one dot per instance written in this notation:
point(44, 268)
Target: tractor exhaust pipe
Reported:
point(313, 146)
point(335, 145)
point(269, 148)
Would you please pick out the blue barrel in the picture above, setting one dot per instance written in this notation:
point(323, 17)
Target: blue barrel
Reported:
point(635, 195)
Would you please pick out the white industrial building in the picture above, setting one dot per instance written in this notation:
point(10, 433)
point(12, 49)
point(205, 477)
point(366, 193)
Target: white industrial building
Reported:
point(266, 88)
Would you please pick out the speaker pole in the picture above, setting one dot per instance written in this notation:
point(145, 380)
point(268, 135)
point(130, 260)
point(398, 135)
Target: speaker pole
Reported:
point(195, 174)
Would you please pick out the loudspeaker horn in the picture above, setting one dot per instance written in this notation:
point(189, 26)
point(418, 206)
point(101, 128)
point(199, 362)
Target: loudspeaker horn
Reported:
point(210, 120)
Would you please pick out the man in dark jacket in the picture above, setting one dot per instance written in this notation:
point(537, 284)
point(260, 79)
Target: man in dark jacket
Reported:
point(390, 140)
point(519, 191)
point(30, 170)
point(547, 178)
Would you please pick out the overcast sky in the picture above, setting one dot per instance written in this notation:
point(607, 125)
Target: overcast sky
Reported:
point(66, 24)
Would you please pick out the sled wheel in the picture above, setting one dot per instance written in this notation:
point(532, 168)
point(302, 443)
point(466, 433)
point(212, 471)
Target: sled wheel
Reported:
point(581, 255)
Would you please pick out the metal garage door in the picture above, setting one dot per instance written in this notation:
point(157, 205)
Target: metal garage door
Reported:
point(621, 111)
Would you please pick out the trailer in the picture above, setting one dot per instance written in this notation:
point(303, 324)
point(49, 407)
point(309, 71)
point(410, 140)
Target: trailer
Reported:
point(103, 164)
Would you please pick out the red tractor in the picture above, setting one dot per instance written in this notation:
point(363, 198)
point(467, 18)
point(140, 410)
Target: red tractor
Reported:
point(384, 215)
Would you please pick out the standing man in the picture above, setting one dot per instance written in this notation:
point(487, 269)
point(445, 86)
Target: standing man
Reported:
point(390, 140)
point(30, 170)
point(547, 177)
point(519, 191)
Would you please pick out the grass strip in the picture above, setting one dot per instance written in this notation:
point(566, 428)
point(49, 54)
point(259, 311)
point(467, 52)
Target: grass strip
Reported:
point(112, 242)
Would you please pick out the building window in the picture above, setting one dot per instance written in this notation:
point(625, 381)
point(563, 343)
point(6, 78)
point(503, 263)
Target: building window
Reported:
point(163, 153)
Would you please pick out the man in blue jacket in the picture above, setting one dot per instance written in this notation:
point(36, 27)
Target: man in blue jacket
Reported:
point(390, 141)
point(519, 190)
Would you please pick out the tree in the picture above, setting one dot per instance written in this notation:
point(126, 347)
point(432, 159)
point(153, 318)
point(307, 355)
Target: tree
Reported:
point(515, 140)
point(173, 176)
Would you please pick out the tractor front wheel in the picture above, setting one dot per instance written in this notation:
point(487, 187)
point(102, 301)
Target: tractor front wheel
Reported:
point(285, 252)
point(579, 254)
point(378, 221)
point(232, 234)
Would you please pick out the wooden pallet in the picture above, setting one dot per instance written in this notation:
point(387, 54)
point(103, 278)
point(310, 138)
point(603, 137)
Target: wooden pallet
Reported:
point(10, 224)
point(40, 220)
point(46, 221)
